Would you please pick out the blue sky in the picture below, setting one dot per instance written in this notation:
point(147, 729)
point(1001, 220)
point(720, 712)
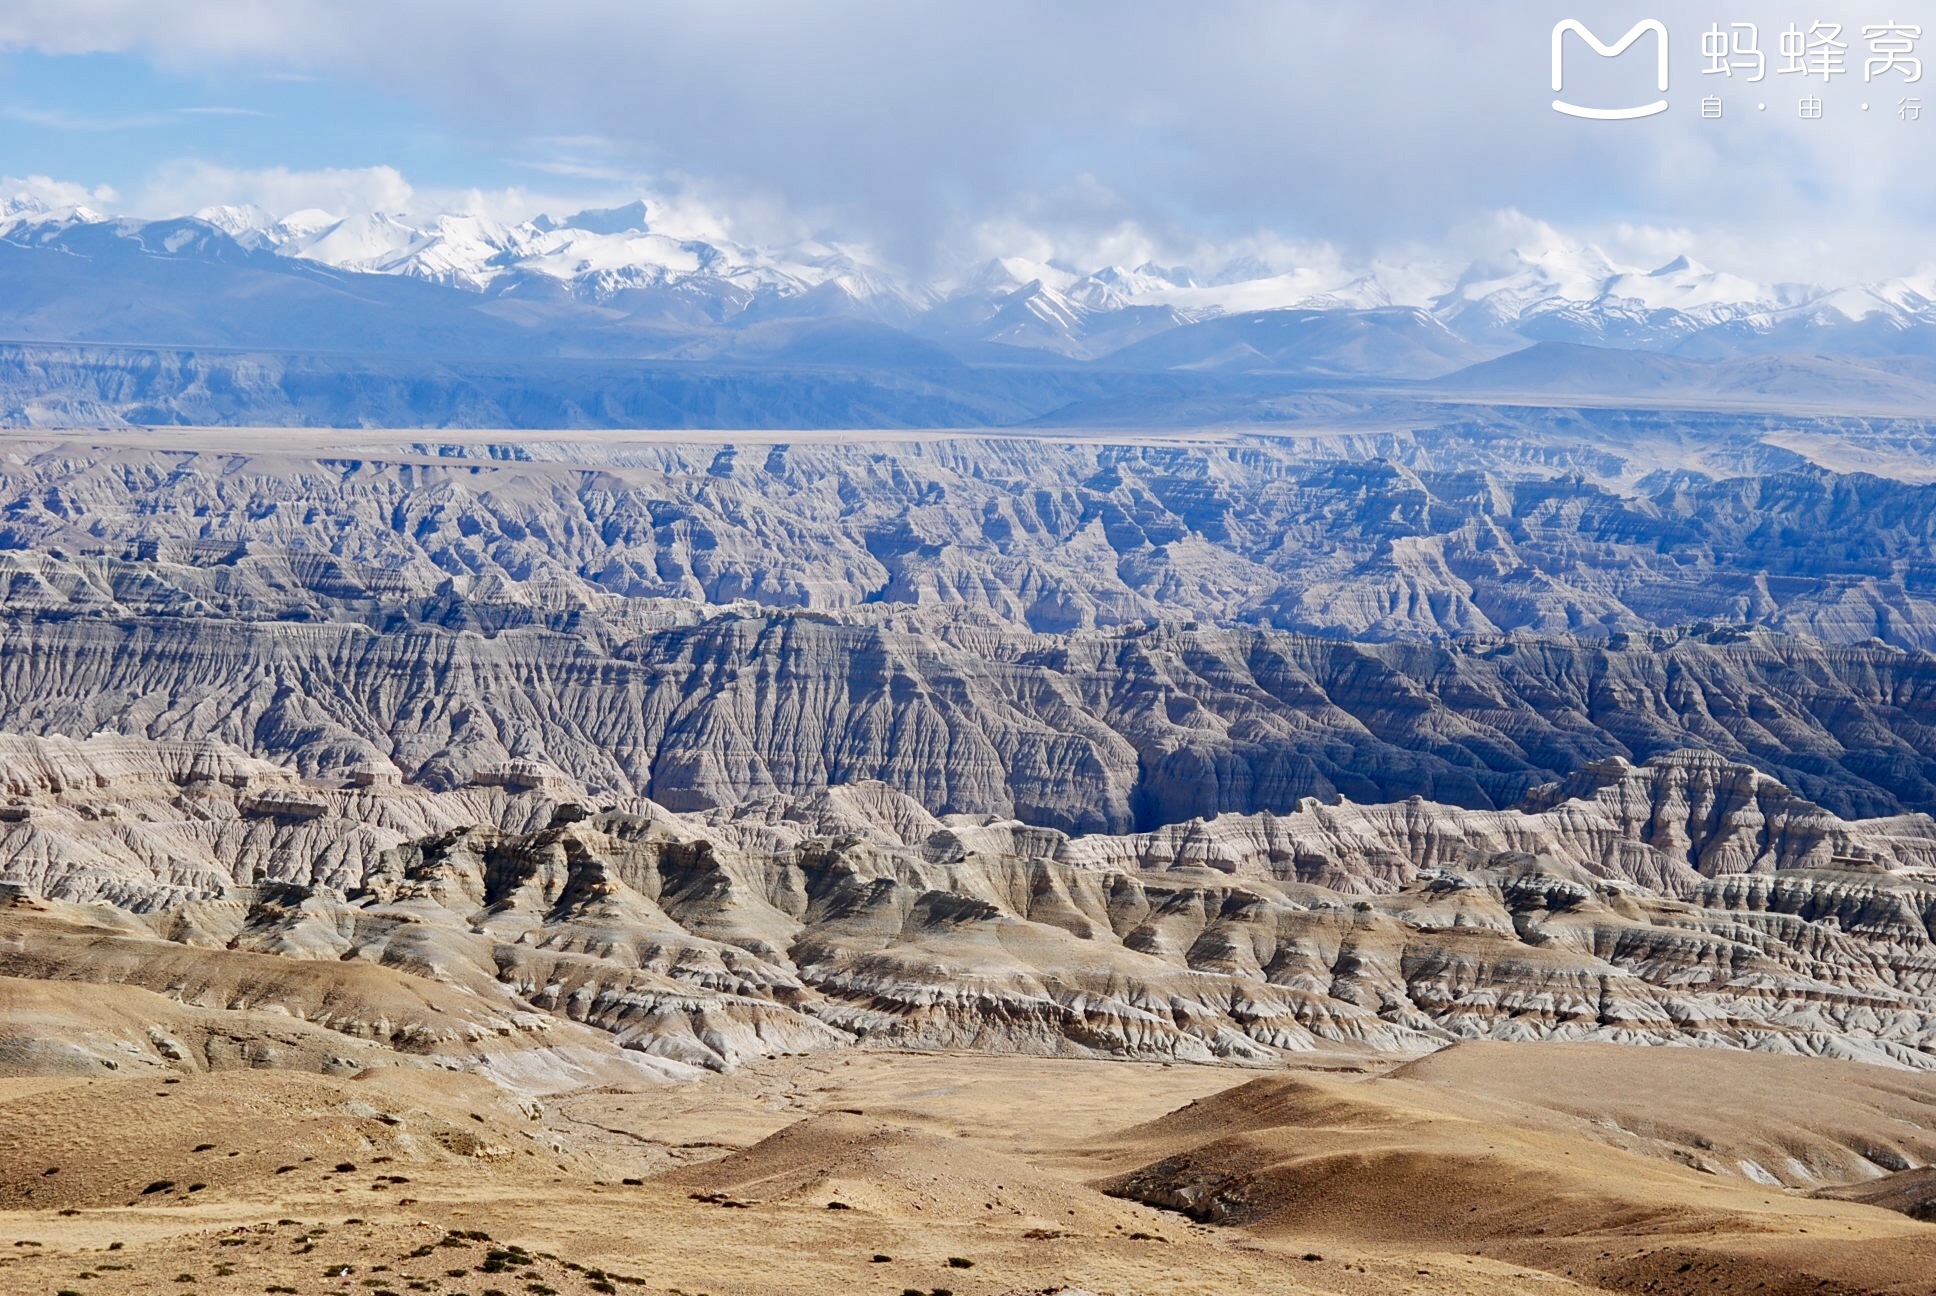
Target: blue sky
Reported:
point(109, 118)
point(926, 128)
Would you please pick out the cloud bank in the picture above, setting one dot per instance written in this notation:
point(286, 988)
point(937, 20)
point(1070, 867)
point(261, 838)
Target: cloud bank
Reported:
point(924, 128)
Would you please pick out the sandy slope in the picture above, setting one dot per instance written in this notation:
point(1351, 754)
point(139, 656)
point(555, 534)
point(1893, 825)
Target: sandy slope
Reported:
point(1491, 1168)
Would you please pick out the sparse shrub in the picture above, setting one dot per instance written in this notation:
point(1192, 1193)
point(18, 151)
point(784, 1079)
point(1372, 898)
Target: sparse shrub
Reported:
point(204, 1147)
point(881, 1259)
point(346, 1167)
point(959, 1262)
point(159, 1185)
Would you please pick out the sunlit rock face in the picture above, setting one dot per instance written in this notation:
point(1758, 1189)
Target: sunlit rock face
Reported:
point(1687, 901)
point(1198, 751)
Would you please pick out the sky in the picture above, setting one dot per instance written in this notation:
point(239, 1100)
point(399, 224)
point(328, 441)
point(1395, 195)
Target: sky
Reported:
point(938, 132)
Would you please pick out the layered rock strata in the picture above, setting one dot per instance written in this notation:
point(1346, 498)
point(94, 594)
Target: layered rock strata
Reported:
point(1685, 902)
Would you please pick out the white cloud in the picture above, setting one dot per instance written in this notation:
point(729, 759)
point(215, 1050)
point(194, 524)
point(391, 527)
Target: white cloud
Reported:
point(177, 30)
point(186, 186)
point(61, 119)
point(1043, 237)
point(57, 193)
point(1123, 126)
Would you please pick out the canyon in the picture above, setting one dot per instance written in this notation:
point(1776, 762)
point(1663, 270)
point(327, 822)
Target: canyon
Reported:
point(1483, 851)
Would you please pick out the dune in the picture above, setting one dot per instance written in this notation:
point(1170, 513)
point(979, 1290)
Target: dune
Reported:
point(1594, 1162)
point(1481, 1170)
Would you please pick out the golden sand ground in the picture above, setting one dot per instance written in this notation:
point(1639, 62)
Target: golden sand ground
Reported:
point(1494, 1168)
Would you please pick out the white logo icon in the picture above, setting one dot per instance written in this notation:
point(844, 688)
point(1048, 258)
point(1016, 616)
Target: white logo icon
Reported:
point(1619, 47)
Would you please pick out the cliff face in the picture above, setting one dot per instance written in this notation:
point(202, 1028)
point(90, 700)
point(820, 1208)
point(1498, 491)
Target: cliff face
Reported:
point(148, 826)
point(1085, 636)
point(1102, 731)
point(704, 956)
point(1687, 901)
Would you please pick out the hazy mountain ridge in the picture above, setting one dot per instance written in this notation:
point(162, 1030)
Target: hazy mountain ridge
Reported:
point(612, 284)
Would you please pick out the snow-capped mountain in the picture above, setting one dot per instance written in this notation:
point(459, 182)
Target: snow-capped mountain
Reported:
point(24, 218)
point(649, 279)
point(595, 255)
point(1579, 294)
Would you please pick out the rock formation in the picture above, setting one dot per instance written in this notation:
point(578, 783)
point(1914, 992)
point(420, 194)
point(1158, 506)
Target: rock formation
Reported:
point(1686, 901)
point(717, 752)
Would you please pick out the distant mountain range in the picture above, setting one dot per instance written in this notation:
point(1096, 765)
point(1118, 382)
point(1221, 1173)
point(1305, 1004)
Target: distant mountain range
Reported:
point(631, 284)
